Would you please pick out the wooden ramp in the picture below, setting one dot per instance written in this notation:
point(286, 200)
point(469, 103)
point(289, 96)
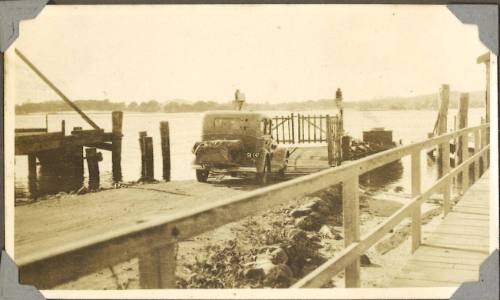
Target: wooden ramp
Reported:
point(306, 159)
point(453, 252)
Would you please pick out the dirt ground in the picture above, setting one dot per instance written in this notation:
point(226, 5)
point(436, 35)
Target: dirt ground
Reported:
point(224, 258)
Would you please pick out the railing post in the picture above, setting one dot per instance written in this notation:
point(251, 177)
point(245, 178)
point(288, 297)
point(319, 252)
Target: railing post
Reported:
point(446, 168)
point(350, 203)
point(157, 268)
point(416, 234)
point(463, 140)
point(477, 148)
point(32, 175)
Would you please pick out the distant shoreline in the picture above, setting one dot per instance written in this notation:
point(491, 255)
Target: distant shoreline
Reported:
point(423, 102)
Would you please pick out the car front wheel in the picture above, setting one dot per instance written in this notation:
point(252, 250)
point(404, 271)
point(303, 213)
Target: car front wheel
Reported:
point(202, 175)
point(263, 177)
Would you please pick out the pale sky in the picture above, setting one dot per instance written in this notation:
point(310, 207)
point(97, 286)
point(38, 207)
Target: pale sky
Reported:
point(272, 53)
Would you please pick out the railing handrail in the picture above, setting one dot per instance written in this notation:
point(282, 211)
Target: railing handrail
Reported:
point(350, 253)
point(93, 254)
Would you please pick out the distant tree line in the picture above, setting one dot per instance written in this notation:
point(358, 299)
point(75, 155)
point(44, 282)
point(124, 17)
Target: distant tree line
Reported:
point(426, 102)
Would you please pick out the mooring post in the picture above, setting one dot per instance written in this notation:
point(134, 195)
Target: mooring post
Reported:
point(63, 128)
point(149, 158)
point(165, 149)
point(329, 140)
point(463, 140)
point(350, 207)
point(142, 135)
point(116, 154)
point(93, 167)
point(416, 234)
point(32, 176)
point(442, 126)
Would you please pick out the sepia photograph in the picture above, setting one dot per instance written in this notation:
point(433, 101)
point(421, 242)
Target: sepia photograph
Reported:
point(190, 149)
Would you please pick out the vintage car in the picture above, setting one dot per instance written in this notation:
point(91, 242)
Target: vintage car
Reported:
point(238, 143)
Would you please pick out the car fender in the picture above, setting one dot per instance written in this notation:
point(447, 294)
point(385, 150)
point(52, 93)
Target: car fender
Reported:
point(279, 159)
point(260, 163)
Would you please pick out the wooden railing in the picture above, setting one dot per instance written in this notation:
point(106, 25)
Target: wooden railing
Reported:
point(303, 129)
point(154, 242)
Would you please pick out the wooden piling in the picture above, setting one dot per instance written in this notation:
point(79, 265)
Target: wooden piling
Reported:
point(293, 128)
point(329, 141)
point(142, 135)
point(442, 126)
point(93, 167)
point(32, 176)
point(116, 153)
point(463, 141)
point(63, 128)
point(165, 149)
point(149, 158)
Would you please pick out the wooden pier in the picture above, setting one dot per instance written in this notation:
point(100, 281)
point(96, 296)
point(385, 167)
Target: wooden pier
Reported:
point(453, 252)
point(146, 222)
point(148, 227)
point(62, 154)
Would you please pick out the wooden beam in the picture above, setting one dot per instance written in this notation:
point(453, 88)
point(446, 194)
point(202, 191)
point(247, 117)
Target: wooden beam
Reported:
point(484, 58)
point(56, 90)
point(350, 203)
point(463, 140)
point(446, 168)
point(416, 185)
point(157, 268)
point(165, 149)
point(442, 124)
point(116, 154)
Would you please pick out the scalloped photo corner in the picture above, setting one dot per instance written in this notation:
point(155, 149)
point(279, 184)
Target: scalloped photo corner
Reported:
point(11, 13)
point(250, 151)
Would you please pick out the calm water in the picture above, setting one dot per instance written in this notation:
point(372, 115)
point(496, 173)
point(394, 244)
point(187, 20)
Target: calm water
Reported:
point(407, 126)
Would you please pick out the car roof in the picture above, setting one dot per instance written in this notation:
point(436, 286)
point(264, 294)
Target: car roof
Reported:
point(233, 113)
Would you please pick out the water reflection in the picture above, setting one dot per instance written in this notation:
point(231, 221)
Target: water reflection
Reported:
point(51, 181)
point(383, 176)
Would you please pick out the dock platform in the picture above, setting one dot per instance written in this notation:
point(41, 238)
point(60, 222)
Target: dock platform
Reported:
point(453, 252)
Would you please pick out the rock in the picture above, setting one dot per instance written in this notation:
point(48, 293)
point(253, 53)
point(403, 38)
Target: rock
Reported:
point(254, 273)
point(300, 212)
point(310, 222)
point(365, 260)
point(325, 231)
point(279, 256)
point(398, 189)
point(278, 276)
point(319, 205)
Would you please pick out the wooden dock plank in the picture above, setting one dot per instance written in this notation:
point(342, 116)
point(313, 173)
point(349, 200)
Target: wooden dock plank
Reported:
point(452, 253)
